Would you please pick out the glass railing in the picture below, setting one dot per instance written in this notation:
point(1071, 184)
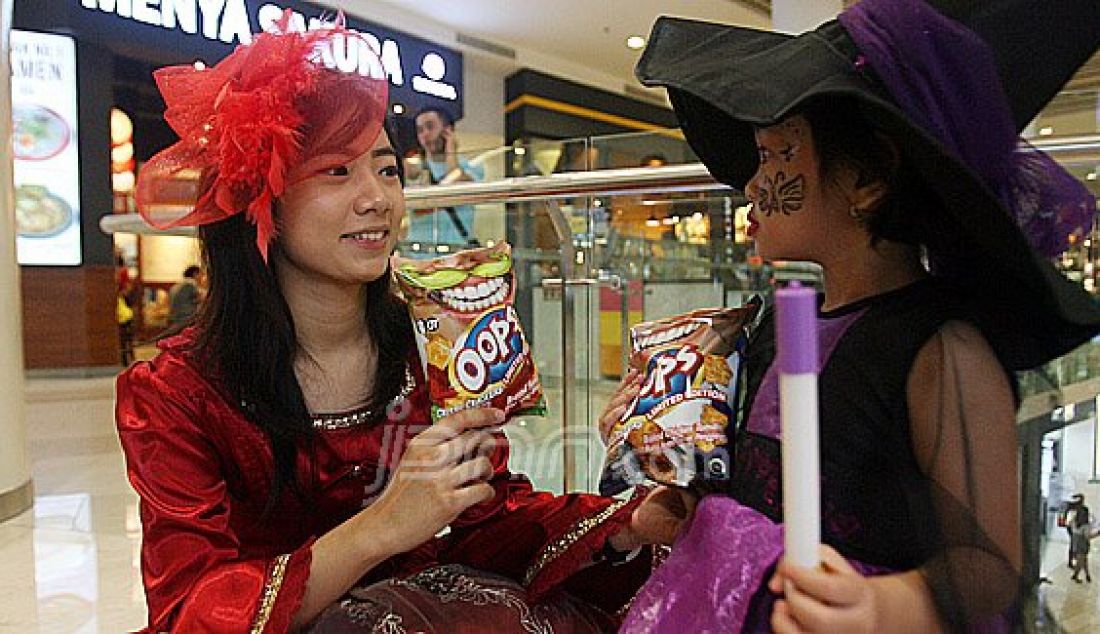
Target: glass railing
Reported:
point(602, 248)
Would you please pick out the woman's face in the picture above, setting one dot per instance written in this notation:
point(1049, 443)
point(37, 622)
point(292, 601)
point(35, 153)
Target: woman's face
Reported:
point(790, 205)
point(338, 218)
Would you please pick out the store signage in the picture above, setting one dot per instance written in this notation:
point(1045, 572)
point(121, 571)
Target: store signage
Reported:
point(234, 22)
point(44, 146)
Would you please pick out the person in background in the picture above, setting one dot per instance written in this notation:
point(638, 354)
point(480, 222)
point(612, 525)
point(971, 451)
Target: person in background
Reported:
point(124, 312)
point(283, 448)
point(885, 146)
point(1068, 519)
point(185, 297)
point(125, 304)
point(1080, 538)
point(440, 164)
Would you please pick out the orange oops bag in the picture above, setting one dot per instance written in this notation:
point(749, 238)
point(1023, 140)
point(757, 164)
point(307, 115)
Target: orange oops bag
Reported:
point(469, 337)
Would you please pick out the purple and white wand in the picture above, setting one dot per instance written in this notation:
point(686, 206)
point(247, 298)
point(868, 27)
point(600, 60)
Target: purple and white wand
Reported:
point(796, 347)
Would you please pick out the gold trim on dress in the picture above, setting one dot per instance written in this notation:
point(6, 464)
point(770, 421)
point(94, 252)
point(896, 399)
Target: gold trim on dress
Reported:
point(553, 550)
point(343, 420)
point(271, 591)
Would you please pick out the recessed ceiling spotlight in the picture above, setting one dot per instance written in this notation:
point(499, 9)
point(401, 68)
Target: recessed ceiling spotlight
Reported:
point(1047, 131)
point(1090, 176)
point(635, 42)
point(398, 108)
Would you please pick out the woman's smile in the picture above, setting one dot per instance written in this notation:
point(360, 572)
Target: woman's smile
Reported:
point(373, 239)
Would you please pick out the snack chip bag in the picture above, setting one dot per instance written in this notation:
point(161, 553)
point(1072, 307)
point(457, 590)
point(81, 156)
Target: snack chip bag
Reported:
point(469, 336)
point(674, 431)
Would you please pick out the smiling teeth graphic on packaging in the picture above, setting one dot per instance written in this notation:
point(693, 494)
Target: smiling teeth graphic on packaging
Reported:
point(470, 339)
point(674, 431)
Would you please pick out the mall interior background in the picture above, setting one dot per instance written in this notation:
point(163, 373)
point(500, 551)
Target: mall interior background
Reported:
point(535, 83)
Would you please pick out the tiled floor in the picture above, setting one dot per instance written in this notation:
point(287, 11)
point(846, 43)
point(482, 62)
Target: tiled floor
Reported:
point(1076, 605)
point(71, 564)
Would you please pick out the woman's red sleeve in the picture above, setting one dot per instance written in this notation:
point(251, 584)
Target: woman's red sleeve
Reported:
point(196, 577)
point(539, 538)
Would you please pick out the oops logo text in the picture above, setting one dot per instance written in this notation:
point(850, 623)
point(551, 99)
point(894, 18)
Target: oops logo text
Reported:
point(669, 372)
point(488, 350)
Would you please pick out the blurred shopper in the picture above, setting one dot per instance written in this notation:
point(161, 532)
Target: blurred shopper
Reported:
point(1068, 519)
point(440, 163)
point(885, 147)
point(126, 299)
point(283, 448)
point(184, 298)
point(1080, 538)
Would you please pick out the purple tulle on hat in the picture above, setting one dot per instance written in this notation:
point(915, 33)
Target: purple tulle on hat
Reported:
point(944, 78)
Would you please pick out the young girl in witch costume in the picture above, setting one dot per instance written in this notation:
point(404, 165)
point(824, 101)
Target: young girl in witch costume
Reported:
point(884, 146)
point(282, 448)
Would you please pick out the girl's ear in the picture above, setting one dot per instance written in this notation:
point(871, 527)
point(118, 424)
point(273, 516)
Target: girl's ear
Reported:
point(866, 192)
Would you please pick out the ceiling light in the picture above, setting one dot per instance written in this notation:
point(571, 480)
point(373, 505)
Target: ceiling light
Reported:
point(652, 222)
point(1091, 176)
point(199, 65)
point(520, 151)
point(398, 108)
point(635, 42)
point(1046, 131)
point(671, 220)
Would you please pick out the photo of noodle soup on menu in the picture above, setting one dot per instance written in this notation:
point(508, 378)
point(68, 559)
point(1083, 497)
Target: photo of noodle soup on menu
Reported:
point(38, 133)
point(40, 214)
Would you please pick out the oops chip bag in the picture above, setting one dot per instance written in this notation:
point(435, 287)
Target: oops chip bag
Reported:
point(469, 336)
point(674, 431)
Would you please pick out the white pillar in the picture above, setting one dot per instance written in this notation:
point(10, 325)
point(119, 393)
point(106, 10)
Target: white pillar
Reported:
point(797, 16)
point(15, 475)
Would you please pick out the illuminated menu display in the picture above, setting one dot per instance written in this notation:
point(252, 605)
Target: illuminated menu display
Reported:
point(44, 145)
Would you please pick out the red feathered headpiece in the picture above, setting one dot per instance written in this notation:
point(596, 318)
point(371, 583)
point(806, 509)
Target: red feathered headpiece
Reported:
point(242, 123)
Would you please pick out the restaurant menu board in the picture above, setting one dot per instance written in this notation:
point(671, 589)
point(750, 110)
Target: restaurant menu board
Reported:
point(44, 145)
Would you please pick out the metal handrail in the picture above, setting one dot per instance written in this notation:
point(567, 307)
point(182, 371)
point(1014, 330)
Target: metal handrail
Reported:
point(634, 180)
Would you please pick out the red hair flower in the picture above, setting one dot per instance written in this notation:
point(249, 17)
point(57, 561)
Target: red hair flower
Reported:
point(240, 125)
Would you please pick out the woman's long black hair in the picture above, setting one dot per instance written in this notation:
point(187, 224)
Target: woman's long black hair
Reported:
point(246, 339)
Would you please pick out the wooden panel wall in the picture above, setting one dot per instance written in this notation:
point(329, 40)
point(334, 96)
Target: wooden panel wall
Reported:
point(69, 316)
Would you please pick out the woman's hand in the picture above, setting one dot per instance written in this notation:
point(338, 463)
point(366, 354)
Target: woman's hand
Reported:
point(831, 598)
point(445, 470)
point(616, 407)
point(665, 512)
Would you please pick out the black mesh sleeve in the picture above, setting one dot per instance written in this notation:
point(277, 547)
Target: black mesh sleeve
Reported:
point(963, 427)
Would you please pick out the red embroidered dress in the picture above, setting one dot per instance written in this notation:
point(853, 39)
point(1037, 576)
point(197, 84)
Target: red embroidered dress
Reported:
point(202, 471)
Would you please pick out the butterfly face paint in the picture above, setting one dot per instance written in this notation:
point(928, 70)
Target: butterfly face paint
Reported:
point(780, 181)
point(785, 220)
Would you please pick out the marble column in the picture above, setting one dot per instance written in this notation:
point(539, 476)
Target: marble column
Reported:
point(16, 492)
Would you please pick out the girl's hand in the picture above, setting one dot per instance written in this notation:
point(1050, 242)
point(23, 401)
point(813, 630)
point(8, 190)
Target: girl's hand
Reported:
point(616, 407)
point(444, 471)
point(665, 512)
point(831, 598)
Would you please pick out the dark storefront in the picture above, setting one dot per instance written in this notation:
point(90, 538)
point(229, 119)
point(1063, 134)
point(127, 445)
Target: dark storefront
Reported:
point(118, 43)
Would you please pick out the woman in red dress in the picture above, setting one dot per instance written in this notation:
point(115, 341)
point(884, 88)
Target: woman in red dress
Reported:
point(282, 447)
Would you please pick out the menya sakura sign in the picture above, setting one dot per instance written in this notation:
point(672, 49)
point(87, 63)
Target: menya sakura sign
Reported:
point(232, 22)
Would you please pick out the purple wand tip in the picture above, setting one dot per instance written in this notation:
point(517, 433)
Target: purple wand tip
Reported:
point(796, 329)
